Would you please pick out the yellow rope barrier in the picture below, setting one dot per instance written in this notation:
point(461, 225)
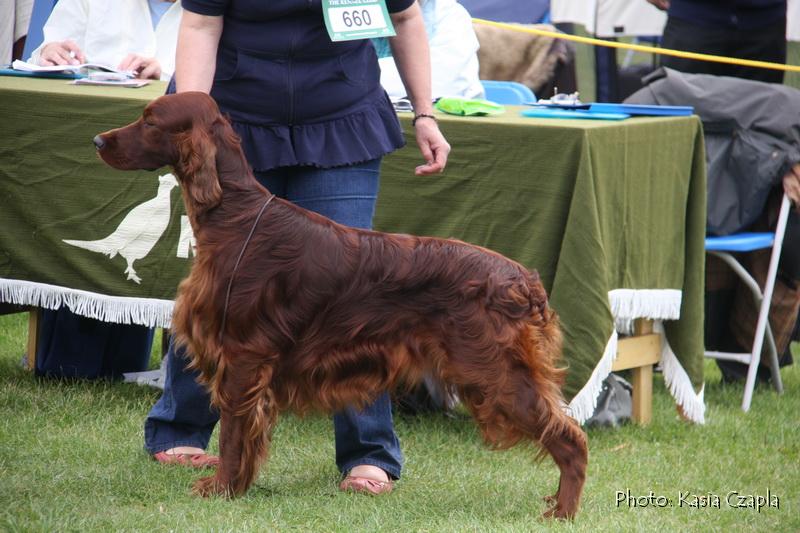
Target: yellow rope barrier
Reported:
point(641, 48)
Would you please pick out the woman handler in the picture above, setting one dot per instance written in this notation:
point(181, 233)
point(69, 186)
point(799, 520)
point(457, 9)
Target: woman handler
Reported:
point(314, 123)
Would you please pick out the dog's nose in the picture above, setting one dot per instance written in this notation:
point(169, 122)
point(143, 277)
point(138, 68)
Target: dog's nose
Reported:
point(98, 142)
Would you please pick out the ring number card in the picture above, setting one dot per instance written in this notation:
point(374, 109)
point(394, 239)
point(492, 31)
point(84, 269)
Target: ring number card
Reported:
point(348, 20)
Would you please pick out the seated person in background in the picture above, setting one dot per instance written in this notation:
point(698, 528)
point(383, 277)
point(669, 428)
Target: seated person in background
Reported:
point(454, 47)
point(134, 35)
point(137, 35)
point(745, 29)
point(753, 155)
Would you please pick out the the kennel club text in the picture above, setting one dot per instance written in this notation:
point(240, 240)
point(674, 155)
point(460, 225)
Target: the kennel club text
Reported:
point(687, 499)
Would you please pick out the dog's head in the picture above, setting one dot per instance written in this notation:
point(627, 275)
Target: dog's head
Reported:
point(176, 130)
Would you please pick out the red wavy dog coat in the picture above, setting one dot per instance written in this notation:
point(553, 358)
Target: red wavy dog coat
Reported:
point(321, 316)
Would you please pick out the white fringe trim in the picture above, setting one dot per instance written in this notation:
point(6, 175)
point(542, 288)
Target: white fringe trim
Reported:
point(123, 310)
point(626, 306)
point(584, 403)
point(630, 304)
point(677, 380)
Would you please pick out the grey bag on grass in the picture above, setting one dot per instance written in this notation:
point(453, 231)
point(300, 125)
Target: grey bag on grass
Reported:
point(615, 403)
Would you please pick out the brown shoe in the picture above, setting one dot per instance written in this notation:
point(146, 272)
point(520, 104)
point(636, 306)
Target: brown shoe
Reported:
point(365, 485)
point(194, 460)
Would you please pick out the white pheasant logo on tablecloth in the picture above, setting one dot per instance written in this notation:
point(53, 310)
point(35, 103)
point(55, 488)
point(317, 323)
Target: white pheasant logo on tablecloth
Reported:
point(139, 231)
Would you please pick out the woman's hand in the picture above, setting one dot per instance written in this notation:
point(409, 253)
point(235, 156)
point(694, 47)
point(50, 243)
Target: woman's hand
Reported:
point(791, 185)
point(412, 57)
point(143, 67)
point(61, 53)
point(432, 144)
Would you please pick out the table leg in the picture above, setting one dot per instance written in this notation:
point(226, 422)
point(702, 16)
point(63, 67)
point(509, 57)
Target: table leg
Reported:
point(643, 380)
point(642, 395)
point(639, 353)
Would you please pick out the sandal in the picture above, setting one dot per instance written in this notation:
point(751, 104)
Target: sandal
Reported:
point(365, 485)
point(194, 460)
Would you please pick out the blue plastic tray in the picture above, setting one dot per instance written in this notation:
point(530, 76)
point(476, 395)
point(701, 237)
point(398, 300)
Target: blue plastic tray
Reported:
point(638, 109)
point(572, 113)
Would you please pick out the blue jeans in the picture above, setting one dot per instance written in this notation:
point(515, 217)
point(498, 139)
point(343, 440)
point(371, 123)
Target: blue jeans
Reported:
point(183, 415)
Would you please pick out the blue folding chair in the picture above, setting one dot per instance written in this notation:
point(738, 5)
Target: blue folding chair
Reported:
point(724, 248)
point(508, 92)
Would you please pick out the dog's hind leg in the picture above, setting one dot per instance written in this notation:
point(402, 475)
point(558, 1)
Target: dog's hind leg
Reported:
point(570, 452)
point(537, 414)
point(248, 413)
point(514, 408)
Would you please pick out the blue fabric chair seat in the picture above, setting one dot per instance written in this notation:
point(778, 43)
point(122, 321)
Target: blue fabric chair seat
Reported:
point(740, 242)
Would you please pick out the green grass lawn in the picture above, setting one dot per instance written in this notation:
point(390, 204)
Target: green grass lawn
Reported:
point(71, 459)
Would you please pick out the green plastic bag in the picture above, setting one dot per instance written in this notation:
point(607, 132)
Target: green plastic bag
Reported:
point(464, 106)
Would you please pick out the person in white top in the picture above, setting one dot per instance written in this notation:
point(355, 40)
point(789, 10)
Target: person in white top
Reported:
point(15, 16)
point(137, 35)
point(454, 53)
point(134, 35)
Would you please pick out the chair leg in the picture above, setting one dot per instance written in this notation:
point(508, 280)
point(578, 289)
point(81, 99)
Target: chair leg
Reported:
point(758, 298)
point(774, 365)
point(755, 357)
point(763, 314)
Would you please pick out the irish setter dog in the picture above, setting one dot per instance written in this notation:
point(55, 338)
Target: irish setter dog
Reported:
point(319, 316)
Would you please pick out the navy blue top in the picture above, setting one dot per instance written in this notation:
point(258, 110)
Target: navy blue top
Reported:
point(293, 96)
point(732, 14)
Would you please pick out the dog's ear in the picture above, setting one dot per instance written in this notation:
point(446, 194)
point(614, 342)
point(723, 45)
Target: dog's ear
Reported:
point(198, 154)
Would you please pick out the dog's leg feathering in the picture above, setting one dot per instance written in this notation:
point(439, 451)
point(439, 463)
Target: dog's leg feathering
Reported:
point(520, 399)
point(248, 413)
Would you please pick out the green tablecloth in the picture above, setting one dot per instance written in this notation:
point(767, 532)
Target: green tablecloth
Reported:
point(611, 214)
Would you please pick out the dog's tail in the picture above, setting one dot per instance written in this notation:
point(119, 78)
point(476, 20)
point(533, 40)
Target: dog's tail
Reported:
point(539, 346)
point(544, 341)
point(544, 333)
point(560, 435)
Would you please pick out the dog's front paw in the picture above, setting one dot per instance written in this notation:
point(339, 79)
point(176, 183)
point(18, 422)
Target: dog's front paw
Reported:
point(210, 486)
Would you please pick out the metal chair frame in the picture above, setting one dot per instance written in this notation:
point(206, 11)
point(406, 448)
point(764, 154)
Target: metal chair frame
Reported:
point(724, 247)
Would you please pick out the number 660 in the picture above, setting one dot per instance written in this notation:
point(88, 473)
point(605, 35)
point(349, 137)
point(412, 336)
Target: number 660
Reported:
point(356, 18)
